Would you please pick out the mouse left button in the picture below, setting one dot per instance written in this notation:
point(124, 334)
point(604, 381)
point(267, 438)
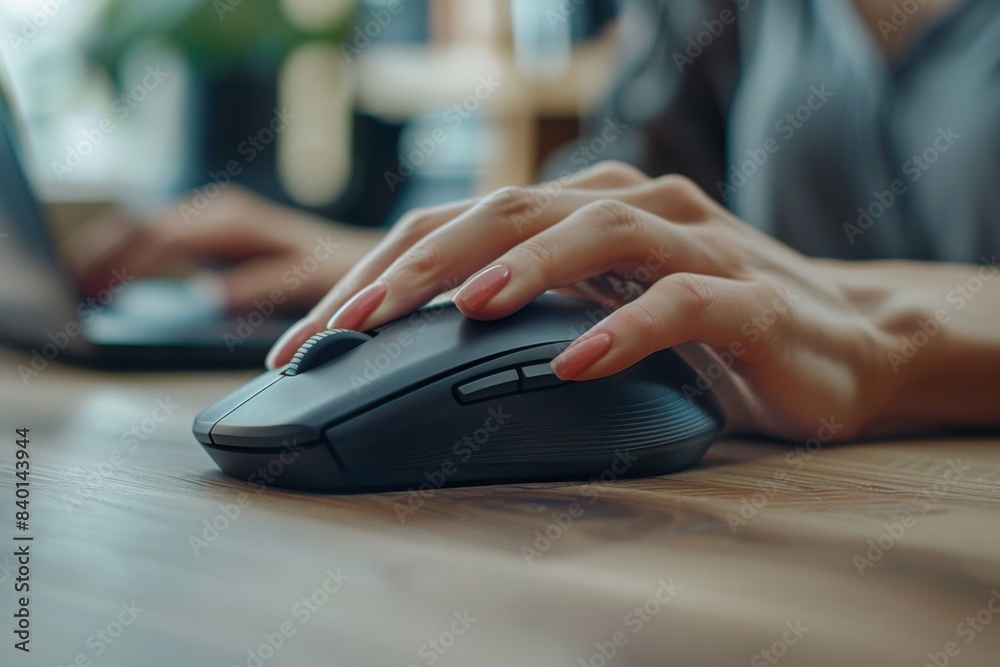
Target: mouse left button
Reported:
point(210, 416)
point(323, 347)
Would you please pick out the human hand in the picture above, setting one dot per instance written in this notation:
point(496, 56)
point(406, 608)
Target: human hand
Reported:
point(790, 343)
point(240, 242)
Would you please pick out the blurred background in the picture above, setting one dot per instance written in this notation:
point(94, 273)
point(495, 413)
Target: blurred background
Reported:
point(353, 109)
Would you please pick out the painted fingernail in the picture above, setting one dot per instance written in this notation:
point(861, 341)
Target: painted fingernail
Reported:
point(582, 354)
point(482, 287)
point(290, 341)
point(355, 312)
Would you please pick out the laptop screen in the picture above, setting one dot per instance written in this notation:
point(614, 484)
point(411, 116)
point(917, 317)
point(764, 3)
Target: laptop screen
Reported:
point(36, 299)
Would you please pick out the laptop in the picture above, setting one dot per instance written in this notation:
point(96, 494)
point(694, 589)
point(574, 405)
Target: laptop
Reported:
point(133, 324)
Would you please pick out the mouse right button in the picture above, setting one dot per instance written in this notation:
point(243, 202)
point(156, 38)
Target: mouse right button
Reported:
point(537, 376)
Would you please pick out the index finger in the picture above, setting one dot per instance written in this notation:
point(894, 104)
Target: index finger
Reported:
point(419, 223)
point(413, 228)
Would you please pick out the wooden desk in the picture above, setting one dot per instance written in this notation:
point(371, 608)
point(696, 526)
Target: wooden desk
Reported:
point(113, 521)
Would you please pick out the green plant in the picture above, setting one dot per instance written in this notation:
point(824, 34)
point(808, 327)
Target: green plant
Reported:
point(218, 37)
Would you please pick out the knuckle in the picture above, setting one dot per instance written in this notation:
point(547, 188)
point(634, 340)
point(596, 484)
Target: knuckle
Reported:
point(537, 253)
point(509, 201)
point(636, 318)
point(693, 294)
point(678, 185)
point(682, 197)
point(619, 217)
point(416, 223)
point(420, 261)
point(615, 173)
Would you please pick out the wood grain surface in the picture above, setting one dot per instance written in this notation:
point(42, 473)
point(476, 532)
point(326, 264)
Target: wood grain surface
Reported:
point(875, 553)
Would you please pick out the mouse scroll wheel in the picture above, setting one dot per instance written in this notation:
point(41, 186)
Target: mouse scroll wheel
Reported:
point(323, 347)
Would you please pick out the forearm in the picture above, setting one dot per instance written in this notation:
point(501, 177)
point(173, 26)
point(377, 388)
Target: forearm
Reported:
point(939, 327)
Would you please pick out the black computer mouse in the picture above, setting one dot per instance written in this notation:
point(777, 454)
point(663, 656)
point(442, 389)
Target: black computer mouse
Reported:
point(437, 399)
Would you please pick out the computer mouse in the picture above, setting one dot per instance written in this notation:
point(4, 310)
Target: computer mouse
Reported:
point(436, 399)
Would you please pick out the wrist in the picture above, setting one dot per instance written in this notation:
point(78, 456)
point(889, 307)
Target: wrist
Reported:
point(909, 336)
point(928, 362)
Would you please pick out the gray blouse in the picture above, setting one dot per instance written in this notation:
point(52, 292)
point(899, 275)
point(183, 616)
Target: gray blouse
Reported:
point(788, 111)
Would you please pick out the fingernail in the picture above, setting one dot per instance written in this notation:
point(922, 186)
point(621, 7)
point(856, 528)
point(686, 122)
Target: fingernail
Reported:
point(482, 287)
point(291, 340)
point(355, 312)
point(582, 354)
